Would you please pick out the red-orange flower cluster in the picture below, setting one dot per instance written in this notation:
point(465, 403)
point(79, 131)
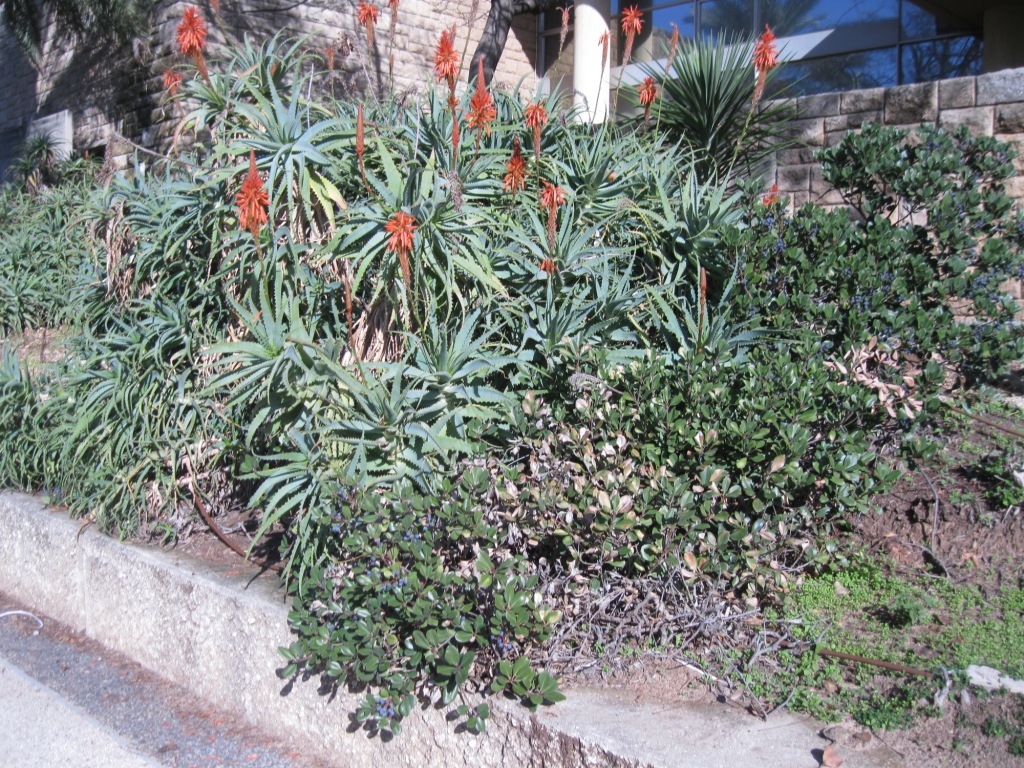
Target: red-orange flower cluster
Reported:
point(632, 24)
point(772, 197)
point(536, 116)
point(766, 55)
point(252, 200)
point(192, 38)
point(549, 266)
point(172, 82)
point(603, 41)
point(482, 111)
point(401, 226)
point(329, 51)
point(446, 59)
point(648, 94)
point(368, 13)
point(191, 32)
point(648, 91)
point(515, 169)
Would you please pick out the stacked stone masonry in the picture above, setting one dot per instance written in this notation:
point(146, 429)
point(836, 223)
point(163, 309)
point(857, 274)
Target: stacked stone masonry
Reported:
point(989, 105)
point(120, 94)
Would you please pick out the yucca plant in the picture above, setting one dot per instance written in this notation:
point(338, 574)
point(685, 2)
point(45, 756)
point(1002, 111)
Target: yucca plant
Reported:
point(708, 104)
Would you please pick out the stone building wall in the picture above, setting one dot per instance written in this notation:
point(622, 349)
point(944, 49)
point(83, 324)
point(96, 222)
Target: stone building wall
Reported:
point(990, 105)
point(120, 93)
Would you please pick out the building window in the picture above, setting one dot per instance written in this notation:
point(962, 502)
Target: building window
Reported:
point(829, 45)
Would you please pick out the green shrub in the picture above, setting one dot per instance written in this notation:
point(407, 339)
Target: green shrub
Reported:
point(46, 242)
point(921, 270)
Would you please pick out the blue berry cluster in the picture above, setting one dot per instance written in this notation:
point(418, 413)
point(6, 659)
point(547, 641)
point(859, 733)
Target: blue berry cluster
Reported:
point(501, 644)
point(385, 709)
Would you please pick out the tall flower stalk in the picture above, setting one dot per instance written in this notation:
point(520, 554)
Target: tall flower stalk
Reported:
point(632, 23)
point(361, 144)
point(393, 7)
point(764, 59)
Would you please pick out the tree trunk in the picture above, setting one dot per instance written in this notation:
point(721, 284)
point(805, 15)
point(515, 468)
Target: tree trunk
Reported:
point(496, 29)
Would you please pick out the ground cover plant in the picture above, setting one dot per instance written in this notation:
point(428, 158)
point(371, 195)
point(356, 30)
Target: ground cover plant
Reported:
point(504, 390)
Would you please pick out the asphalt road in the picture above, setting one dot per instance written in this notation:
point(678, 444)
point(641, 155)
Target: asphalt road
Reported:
point(67, 701)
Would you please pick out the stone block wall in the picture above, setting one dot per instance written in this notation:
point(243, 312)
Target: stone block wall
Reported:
point(989, 105)
point(120, 93)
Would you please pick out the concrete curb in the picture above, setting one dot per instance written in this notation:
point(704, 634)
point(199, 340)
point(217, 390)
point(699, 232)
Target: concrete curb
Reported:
point(217, 633)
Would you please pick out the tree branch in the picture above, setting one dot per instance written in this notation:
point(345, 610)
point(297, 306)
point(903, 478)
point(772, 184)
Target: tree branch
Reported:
point(496, 29)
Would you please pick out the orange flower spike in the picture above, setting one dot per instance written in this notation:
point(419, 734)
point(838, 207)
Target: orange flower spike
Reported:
point(393, 7)
point(603, 41)
point(673, 46)
point(564, 31)
point(446, 59)
point(549, 266)
point(482, 111)
point(252, 200)
point(329, 51)
point(192, 35)
point(766, 58)
point(368, 13)
point(515, 176)
point(772, 198)
point(648, 95)
point(402, 227)
point(551, 197)
point(172, 82)
point(536, 118)
point(632, 24)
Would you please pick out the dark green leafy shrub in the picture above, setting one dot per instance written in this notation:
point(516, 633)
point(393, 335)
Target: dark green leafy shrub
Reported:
point(420, 593)
point(736, 472)
point(922, 270)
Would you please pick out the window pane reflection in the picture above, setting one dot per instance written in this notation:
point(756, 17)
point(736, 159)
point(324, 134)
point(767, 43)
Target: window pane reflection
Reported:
point(870, 69)
point(939, 59)
point(726, 18)
point(920, 22)
point(795, 17)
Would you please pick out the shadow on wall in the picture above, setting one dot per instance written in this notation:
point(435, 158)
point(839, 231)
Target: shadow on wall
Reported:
point(120, 91)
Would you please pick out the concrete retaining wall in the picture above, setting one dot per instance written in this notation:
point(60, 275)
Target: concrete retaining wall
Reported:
point(216, 630)
point(210, 632)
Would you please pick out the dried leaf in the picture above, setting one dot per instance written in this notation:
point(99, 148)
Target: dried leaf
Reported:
point(777, 463)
